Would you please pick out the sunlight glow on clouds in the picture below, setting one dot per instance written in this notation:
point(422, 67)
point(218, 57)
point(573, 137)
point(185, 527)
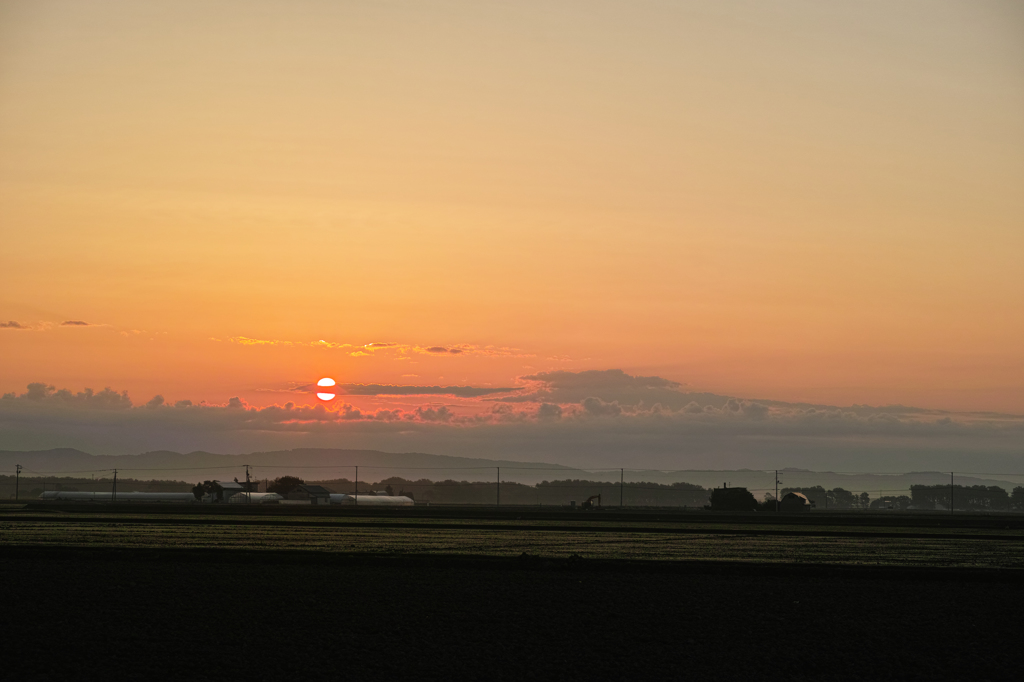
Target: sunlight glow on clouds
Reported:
point(619, 413)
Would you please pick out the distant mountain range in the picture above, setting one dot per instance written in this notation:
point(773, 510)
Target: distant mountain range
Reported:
point(329, 464)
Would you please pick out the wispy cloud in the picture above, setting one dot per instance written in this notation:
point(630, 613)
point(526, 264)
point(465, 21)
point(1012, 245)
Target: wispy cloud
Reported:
point(77, 323)
point(12, 325)
point(403, 390)
point(399, 349)
point(441, 349)
point(456, 391)
point(246, 341)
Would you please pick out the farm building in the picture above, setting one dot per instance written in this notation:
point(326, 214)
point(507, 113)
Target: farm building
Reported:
point(255, 498)
point(315, 494)
point(732, 499)
point(228, 489)
point(372, 500)
point(75, 496)
point(794, 502)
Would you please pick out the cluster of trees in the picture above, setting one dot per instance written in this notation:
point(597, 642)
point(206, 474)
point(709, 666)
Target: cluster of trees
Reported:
point(284, 485)
point(201, 490)
point(30, 487)
point(974, 497)
point(837, 498)
point(892, 502)
point(547, 492)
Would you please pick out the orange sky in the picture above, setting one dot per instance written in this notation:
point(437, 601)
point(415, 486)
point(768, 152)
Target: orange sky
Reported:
point(797, 202)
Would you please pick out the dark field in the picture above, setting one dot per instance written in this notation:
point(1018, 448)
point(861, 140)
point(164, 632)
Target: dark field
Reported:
point(447, 595)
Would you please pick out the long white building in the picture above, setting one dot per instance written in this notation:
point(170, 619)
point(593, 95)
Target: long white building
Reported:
point(372, 500)
point(75, 496)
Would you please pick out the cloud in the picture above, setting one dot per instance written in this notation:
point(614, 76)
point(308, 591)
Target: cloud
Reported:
point(12, 325)
point(431, 414)
point(601, 379)
point(39, 392)
point(504, 413)
point(246, 341)
point(76, 323)
point(401, 350)
point(599, 408)
point(457, 391)
point(406, 390)
point(609, 386)
point(442, 349)
point(549, 411)
point(594, 432)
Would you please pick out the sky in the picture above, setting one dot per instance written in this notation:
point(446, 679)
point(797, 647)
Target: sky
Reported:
point(799, 205)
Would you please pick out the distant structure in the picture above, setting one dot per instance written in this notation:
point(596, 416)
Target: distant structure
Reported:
point(732, 499)
point(255, 498)
point(228, 489)
point(372, 500)
point(794, 502)
point(315, 494)
point(75, 496)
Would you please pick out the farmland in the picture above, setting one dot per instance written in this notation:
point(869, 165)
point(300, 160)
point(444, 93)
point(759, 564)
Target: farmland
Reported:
point(921, 541)
point(438, 593)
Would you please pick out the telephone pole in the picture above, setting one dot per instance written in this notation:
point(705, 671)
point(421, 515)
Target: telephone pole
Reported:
point(248, 487)
point(114, 494)
point(355, 495)
point(17, 480)
point(950, 493)
point(776, 490)
point(622, 477)
point(499, 487)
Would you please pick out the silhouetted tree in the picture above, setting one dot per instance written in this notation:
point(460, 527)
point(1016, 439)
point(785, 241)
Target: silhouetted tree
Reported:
point(1017, 499)
point(976, 497)
point(284, 485)
point(839, 498)
point(203, 489)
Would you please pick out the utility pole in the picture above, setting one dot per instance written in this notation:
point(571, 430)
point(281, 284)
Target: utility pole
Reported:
point(114, 496)
point(776, 490)
point(355, 496)
point(17, 480)
point(950, 493)
point(499, 487)
point(622, 477)
point(248, 487)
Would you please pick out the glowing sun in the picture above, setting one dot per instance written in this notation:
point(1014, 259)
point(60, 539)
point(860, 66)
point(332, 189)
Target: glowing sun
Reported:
point(326, 384)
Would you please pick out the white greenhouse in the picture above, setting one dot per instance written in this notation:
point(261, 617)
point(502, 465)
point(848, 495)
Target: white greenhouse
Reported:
point(76, 496)
point(372, 500)
point(254, 498)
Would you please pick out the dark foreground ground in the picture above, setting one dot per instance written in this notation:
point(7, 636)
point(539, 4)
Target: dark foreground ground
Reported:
point(72, 613)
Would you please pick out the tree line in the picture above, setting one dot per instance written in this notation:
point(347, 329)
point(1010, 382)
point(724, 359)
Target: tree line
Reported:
point(973, 497)
point(559, 492)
